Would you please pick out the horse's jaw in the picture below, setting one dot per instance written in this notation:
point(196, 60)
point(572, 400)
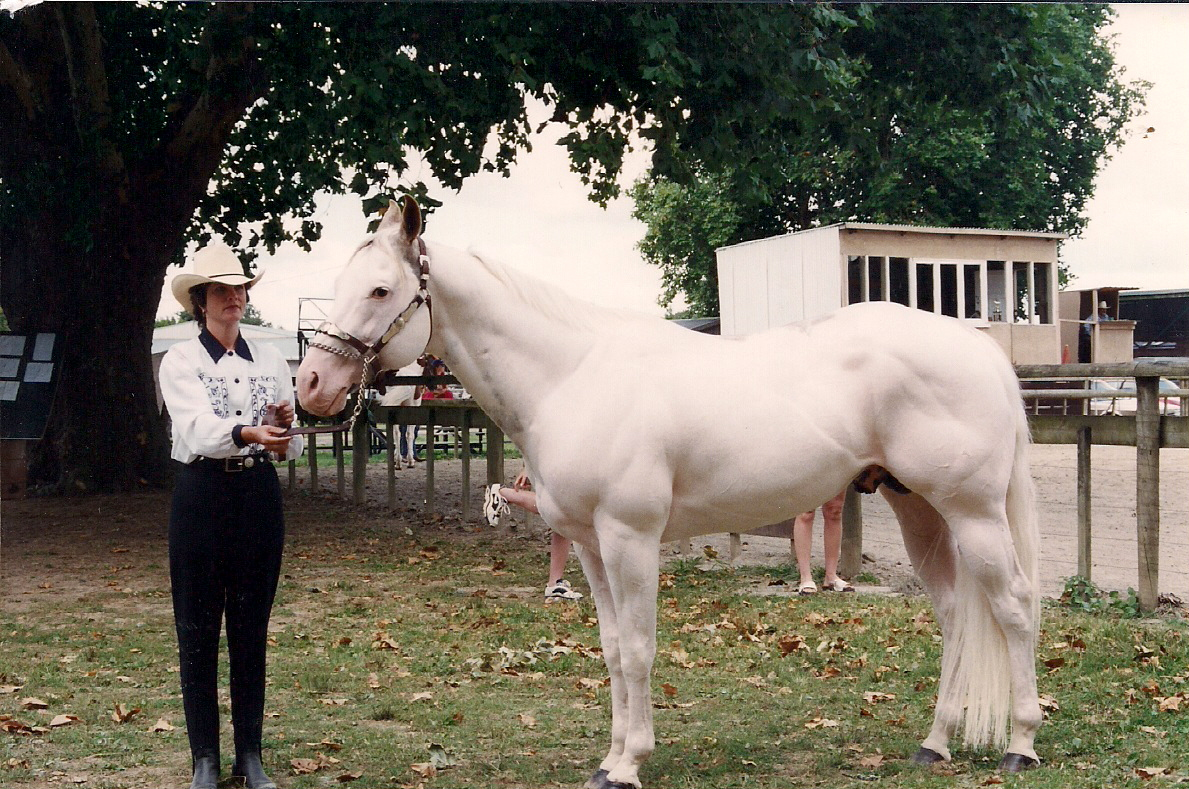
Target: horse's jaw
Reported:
point(323, 381)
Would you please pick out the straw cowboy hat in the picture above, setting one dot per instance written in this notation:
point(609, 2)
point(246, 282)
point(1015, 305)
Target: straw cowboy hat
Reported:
point(213, 263)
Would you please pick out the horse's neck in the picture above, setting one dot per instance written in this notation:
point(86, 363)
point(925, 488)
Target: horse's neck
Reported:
point(506, 354)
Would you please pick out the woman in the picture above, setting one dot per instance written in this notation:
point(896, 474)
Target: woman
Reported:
point(230, 403)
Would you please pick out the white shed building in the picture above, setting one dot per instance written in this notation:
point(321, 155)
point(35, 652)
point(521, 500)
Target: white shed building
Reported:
point(1001, 281)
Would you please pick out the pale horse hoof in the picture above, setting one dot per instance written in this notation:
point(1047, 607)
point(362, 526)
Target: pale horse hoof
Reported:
point(1017, 763)
point(926, 757)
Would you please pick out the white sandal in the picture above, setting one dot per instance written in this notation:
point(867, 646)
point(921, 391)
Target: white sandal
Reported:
point(838, 585)
point(807, 588)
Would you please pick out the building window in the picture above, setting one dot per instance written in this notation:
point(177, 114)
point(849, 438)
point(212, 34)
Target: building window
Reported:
point(854, 279)
point(898, 287)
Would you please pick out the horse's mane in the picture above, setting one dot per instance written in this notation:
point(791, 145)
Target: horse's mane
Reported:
point(556, 304)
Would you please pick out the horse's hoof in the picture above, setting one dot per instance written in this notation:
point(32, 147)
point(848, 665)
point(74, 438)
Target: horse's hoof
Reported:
point(1017, 763)
point(598, 780)
point(926, 756)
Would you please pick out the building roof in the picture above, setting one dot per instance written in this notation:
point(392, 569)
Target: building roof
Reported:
point(702, 325)
point(927, 229)
point(1176, 293)
point(285, 340)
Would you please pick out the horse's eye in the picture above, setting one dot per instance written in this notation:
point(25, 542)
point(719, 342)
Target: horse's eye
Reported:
point(380, 293)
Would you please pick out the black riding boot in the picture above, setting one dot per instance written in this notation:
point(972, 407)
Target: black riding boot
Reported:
point(248, 766)
point(206, 771)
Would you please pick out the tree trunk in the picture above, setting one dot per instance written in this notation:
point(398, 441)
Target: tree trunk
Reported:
point(89, 225)
point(105, 432)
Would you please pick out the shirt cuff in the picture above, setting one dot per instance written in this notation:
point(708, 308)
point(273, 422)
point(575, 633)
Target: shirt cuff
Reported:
point(237, 438)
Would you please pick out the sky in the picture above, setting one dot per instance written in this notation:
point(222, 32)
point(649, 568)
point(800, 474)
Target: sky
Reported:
point(540, 221)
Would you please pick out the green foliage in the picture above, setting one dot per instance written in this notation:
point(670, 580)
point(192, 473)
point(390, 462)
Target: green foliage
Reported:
point(991, 115)
point(1081, 594)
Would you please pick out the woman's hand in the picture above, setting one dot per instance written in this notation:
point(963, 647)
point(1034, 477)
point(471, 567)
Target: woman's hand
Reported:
point(285, 414)
point(522, 482)
point(271, 437)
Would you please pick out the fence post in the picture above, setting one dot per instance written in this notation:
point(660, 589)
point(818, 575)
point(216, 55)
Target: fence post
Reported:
point(431, 446)
point(312, 451)
point(360, 447)
point(495, 454)
point(1085, 556)
point(338, 461)
point(393, 448)
point(1147, 488)
point(850, 563)
point(466, 464)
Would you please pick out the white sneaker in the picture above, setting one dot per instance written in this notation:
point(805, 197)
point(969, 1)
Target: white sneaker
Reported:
point(494, 505)
point(561, 591)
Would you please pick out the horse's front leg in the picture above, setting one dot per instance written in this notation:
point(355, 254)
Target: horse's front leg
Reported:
point(600, 592)
point(631, 561)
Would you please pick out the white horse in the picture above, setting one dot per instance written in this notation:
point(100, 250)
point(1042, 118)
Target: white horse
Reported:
point(873, 393)
point(404, 394)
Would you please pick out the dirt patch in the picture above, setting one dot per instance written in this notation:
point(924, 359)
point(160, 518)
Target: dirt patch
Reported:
point(63, 547)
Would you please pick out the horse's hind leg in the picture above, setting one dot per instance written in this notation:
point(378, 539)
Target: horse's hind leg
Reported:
point(934, 556)
point(989, 554)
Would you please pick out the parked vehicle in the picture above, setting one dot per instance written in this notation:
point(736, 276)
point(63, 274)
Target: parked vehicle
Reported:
point(1122, 400)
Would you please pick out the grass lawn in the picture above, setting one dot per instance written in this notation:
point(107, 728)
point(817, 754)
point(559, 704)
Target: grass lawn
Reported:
point(413, 654)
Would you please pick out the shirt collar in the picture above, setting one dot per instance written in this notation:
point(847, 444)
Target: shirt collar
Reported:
point(216, 349)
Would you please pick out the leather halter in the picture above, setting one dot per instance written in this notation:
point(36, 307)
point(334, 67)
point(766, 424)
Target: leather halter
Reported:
point(360, 349)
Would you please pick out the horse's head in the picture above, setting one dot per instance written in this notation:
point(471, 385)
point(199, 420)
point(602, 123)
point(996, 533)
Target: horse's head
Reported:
point(378, 312)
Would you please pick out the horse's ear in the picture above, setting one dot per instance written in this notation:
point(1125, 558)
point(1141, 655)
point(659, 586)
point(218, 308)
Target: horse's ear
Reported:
point(411, 218)
point(391, 217)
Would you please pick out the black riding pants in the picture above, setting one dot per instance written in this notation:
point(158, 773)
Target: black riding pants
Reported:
point(226, 533)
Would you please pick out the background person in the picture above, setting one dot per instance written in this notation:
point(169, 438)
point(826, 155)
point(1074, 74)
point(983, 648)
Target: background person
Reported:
point(831, 545)
point(226, 524)
point(496, 501)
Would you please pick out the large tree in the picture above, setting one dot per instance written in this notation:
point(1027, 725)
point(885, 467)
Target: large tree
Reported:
point(985, 115)
point(131, 129)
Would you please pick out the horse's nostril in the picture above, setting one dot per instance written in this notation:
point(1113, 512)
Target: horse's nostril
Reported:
point(313, 381)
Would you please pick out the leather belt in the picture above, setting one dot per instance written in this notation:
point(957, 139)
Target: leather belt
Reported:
point(233, 463)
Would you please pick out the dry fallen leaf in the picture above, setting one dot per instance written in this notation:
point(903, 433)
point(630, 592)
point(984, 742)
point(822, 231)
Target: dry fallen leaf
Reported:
point(423, 696)
point(527, 720)
point(122, 715)
point(64, 720)
point(162, 725)
point(821, 723)
point(668, 689)
point(348, 777)
point(1147, 773)
point(305, 766)
point(33, 704)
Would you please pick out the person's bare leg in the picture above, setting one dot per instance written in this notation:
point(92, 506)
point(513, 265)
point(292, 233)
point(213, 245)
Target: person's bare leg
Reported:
point(832, 535)
point(802, 546)
point(559, 552)
point(525, 499)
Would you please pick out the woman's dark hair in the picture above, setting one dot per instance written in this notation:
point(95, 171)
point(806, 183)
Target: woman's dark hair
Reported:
point(198, 301)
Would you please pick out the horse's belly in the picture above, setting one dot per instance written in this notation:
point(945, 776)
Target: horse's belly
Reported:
point(766, 497)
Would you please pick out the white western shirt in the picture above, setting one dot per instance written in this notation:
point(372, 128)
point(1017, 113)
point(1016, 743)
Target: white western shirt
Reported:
point(212, 393)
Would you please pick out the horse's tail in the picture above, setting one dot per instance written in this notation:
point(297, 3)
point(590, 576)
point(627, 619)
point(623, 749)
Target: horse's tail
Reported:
point(976, 657)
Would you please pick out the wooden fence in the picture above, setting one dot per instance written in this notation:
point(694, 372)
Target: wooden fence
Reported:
point(1056, 396)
